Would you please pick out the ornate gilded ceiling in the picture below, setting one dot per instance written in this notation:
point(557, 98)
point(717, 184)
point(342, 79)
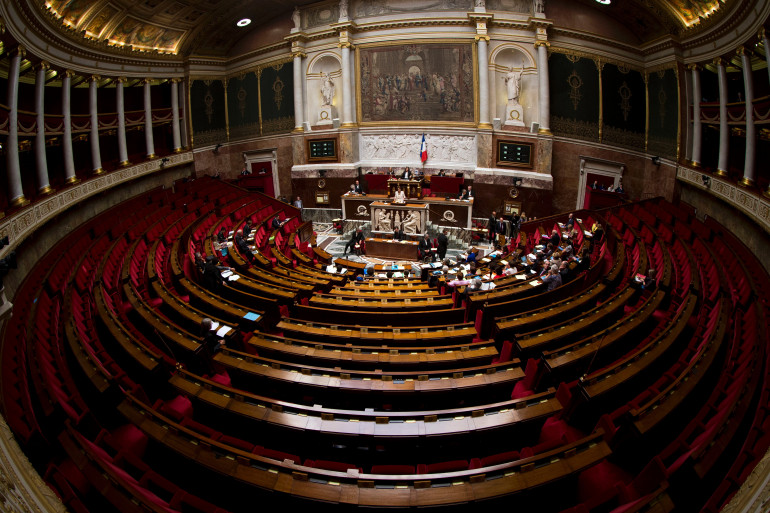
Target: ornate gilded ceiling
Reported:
point(207, 27)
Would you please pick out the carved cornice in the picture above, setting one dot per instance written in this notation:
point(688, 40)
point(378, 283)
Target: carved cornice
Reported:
point(754, 206)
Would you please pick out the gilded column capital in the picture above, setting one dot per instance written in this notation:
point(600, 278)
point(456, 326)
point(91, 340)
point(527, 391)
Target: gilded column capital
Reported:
point(478, 38)
point(718, 61)
point(19, 50)
point(301, 55)
point(121, 80)
point(742, 50)
point(694, 67)
point(68, 73)
point(761, 34)
point(175, 80)
point(44, 65)
point(94, 78)
point(542, 43)
point(345, 44)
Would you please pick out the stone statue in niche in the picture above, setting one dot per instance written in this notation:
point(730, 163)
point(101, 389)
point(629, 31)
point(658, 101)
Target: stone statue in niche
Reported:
point(539, 6)
point(327, 89)
point(343, 10)
point(513, 82)
point(296, 20)
point(327, 95)
point(480, 5)
point(514, 113)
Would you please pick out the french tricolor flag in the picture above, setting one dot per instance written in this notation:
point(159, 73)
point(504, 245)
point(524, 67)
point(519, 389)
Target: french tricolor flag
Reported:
point(423, 150)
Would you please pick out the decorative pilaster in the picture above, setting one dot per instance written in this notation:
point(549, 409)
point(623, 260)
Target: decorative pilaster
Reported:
point(298, 103)
point(481, 19)
point(122, 148)
point(544, 94)
point(347, 88)
point(185, 114)
point(697, 129)
point(41, 164)
point(148, 139)
point(15, 191)
point(724, 130)
point(749, 162)
point(175, 115)
point(69, 161)
point(96, 157)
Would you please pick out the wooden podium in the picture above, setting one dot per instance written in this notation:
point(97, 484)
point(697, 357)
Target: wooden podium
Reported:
point(412, 188)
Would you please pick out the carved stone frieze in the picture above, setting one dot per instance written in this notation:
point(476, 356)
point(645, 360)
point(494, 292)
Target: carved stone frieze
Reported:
point(454, 149)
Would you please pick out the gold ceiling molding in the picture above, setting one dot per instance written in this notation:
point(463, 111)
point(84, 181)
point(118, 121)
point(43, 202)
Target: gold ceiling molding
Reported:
point(599, 60)
point(259, 67)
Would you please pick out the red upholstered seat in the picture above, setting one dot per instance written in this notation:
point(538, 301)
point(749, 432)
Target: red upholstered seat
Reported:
point(275, 455)
point(444, 466)
point(392, 470)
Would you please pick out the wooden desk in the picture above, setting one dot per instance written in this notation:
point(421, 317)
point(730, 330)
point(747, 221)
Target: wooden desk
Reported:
point(391, 250)
point(412, 188)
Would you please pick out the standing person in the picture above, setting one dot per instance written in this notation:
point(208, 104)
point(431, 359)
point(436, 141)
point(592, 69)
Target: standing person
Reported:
point(357, 188)
point(211, 344)
point(492, 226)
point(469, 195)
point(501, 226)
point(298, 203)
point(400, 196)
point(425, 248)
point(407, 174)
point(443, 243)
point(552, 279)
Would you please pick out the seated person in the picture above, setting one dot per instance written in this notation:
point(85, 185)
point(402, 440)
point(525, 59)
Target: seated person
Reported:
point(241, 244)
point(552, 279)
point(407, 174)
point(400, 196)
point(649, 282)
point(247, 229)
point(358, 188)
point(355, 240)
point(398, 234)
point(425, 248)
point(276, 223)
point(222, 236)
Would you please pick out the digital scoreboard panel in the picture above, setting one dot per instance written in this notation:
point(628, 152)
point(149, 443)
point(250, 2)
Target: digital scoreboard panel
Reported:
point(322, 150)
point(514, 154)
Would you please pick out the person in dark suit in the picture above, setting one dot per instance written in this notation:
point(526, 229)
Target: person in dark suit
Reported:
point(443, 243)
point(356, 238)
point(358, 188)
point(500, 228)
point(247, 229)
point(555, 239)
point(470, 192)
point(492, 226)
point(463, 195)
point(241, 244)
point(425, 247)
point(407, 174)
point(276, 223)
point(398, 234)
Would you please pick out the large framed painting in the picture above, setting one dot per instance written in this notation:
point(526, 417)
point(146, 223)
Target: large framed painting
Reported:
point(417, 83)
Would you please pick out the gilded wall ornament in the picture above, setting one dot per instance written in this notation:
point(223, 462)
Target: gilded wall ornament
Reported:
point(625, 100)
point(575, 83)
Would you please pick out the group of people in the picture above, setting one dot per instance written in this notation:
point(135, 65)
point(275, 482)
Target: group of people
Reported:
point(611, 188)
point(430, 250)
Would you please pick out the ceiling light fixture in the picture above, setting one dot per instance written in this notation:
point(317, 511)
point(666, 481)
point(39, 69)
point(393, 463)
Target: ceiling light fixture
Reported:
point(604, 2)
point(243, 22)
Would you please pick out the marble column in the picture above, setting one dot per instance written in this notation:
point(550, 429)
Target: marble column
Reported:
point(175, 115)
point(697, 129)
point(298, 103)
point(347, 94)
point(69, 160)
point(148, 140)
point(483, 54)
point(41, 164)
point(185, 115)
point(122, 147)
point(15, 191)
point(724, 129)
point(544, 94)
point(96, 157)
point(749, 162)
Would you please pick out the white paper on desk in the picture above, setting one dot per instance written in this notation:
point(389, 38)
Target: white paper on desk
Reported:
point(234, 277)
point(586, 232)
point(343, 270)
point(521, 276)
point(224, 330)
point(227, 274)
point(331, 269)
point(214, 325)
point(534, 283)
point(398, 275)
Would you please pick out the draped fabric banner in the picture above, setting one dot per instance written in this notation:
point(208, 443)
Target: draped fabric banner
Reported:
point(624, 107)
point(574, 96)
point(276, 90)
point(663, 93)
point(243, 106)
point(207, 110)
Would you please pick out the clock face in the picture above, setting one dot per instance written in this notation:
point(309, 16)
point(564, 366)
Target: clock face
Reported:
point(513, 192)
point(321, 183)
